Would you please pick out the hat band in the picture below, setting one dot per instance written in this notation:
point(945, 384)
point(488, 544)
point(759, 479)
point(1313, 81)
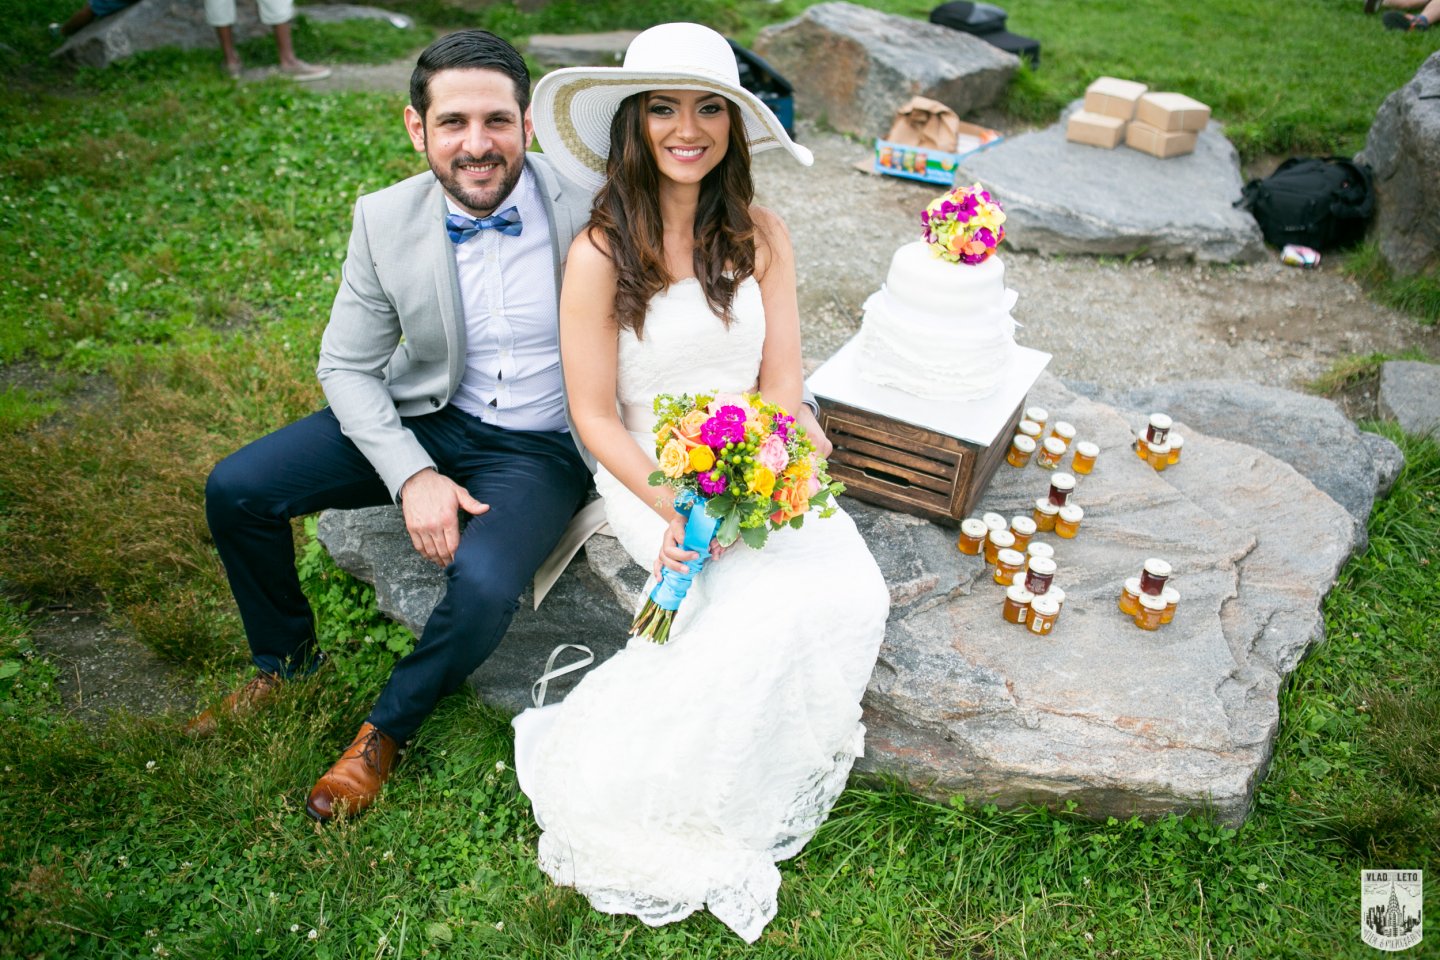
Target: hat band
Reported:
point(583, 152)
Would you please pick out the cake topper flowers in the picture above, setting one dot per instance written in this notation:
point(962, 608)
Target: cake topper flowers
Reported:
point(964, 225)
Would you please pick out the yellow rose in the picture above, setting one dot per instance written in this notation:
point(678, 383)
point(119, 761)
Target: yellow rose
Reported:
point(701, 459)
point(673, 460)
point(762, 481)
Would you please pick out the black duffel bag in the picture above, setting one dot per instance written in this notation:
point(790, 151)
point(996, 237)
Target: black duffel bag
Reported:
point(1319, 202)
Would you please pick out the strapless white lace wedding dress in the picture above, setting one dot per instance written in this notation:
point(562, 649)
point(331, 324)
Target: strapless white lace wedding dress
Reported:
point(672, 778)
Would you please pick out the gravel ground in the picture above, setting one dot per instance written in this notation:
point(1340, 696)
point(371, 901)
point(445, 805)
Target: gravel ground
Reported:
point(1107, 322)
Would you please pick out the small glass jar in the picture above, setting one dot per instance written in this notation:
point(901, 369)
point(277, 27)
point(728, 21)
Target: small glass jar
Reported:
point(1030, 429)
point(1064, 432)
point(1060, 486)
point(1021, 447)
point(1037, 416)
point(1049, 454)
point(1130, 597)
point(1068, 523)
point(1153, 576)
point(1037, 549)
point(1151, 610)
point(1023, 528)
point(1159, 456)
point(1158, 429)
point(1043, 613)
point(1045, 514)
point(1058, 595)
point(1177, 440)
point(1008, 563)
point(1039, 575)
point(997, 541)
point(1142, 449)
point(993, 521)
point(973, 534)
point(1017, 604)
point(1084, 459)
point(1171, 596)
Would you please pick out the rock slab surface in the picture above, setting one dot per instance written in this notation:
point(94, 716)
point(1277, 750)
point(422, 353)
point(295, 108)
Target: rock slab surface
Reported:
point(1063, 197)
point(1403, 150)
point(1118, 719)
point(855, 66)
point(1410, 395)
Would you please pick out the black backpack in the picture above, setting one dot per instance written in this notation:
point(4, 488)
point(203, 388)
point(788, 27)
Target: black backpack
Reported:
point(1323, 203)
point(986, 21)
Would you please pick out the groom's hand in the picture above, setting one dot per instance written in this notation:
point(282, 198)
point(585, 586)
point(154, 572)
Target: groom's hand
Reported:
point(432, 505)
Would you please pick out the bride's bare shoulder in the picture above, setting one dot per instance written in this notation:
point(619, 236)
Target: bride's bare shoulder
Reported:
point(772, 238)
point(590, 253)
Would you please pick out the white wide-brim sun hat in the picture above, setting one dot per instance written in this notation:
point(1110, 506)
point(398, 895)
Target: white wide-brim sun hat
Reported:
point(572, 107)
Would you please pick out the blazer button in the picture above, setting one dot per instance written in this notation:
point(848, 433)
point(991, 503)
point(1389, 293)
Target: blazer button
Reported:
point(435, 402)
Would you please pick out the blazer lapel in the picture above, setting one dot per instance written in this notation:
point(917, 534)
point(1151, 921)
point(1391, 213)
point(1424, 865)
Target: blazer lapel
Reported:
point(436, 248)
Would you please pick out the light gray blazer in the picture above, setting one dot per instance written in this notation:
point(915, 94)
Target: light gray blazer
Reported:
point(395, 344)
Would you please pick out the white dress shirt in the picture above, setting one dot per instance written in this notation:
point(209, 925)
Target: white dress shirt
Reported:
point(512, 339)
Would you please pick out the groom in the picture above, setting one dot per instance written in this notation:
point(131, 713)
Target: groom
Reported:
point(441, 365)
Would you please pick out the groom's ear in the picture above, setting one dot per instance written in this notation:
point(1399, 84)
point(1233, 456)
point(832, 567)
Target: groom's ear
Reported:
point(415, 126)
point(529, 129)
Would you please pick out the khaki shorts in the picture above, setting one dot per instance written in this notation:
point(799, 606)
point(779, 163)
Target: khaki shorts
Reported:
point(221, 13)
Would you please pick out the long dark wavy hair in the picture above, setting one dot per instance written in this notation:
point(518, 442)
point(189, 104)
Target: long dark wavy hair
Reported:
point(626, 213)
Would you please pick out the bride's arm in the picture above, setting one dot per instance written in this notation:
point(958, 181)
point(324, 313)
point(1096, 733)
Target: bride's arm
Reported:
point(589, 355)
point(781, 380)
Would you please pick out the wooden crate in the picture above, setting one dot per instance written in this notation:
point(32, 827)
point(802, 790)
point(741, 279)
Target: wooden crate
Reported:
point(909, 468)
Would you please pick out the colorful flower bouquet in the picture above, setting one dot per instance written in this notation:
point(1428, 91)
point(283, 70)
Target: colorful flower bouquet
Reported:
point(964, 225)
point(740, 468)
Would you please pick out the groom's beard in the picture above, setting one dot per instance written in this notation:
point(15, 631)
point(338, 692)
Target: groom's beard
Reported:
point(481, 201)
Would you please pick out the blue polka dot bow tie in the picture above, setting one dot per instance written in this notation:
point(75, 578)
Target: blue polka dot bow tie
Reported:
point(462, 228)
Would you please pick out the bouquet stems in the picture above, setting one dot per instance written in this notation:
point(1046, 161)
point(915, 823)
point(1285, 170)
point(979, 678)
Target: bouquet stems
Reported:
point(658, 614)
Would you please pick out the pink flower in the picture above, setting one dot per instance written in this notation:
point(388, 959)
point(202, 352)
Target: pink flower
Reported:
point(728, 400)
point(771, 454)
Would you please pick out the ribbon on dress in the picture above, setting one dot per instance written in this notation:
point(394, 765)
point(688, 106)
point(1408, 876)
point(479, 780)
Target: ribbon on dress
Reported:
point(538, 688)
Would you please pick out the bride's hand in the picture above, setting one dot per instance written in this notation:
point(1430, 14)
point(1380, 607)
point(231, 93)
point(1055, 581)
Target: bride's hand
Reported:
point(673, 554)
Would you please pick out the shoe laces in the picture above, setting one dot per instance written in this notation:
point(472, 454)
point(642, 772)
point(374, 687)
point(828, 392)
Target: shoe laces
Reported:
point(370, 749)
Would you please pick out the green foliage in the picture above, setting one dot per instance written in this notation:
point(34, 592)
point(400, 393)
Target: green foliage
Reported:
point(1417, 295)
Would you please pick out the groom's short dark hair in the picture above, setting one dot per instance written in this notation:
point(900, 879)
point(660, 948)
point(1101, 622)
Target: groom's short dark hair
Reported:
point(468, 50)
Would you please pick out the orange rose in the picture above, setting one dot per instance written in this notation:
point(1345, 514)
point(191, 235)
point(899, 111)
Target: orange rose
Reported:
point(687, 431)
point(793, 502)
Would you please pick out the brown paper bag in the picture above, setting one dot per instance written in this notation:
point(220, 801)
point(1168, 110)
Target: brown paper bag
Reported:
point(927, 124)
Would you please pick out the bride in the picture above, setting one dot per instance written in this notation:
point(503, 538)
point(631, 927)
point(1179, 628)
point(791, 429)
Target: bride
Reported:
point(674, 777)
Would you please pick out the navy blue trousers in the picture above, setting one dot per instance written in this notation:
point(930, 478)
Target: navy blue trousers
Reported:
point(533, 482)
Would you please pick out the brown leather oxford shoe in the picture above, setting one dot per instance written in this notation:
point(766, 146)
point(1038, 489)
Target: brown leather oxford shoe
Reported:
point(249, 698)
point(354, 782)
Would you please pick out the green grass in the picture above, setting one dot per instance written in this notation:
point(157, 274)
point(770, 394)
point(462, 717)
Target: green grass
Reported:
point(167, 261)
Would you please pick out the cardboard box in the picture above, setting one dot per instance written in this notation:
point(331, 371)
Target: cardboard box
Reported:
point(931, 166)
point(1159, 143)
point(1095, 129)
point(1114, 97)
point(1172, 112)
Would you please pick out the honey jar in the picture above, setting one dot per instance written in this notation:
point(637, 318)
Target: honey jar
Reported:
point(1171, 596)
point(1037, 416)
point(1177, 440)
point(1049, 454)
point(1130, 597)
point(1158, 429)
point(1045, 514)
point(1153, 576)
point(1064, 432)
point(1008, 563)
point(1021, 447)
point(1043, 613)
point(1039, 574)
point(1030, 429)
point(993, 521)
point(1151, 610)
point(1068, 523)
point(1023, 528)
point(1058, 595)
point(1060, 486)
point(1038, 548)
point(1159, 455)
point(1084, 459)
point(1142, 449)
point(973, 534)
point(997, 541)
point(1017, 604)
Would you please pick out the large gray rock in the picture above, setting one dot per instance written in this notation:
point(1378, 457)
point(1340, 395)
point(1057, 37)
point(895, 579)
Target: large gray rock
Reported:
point(1117, 719)
point(152, 24)
point(1410, 395)
point(581, 49)
point(855, 66)
point(1063, 197)
point(1403, 150)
